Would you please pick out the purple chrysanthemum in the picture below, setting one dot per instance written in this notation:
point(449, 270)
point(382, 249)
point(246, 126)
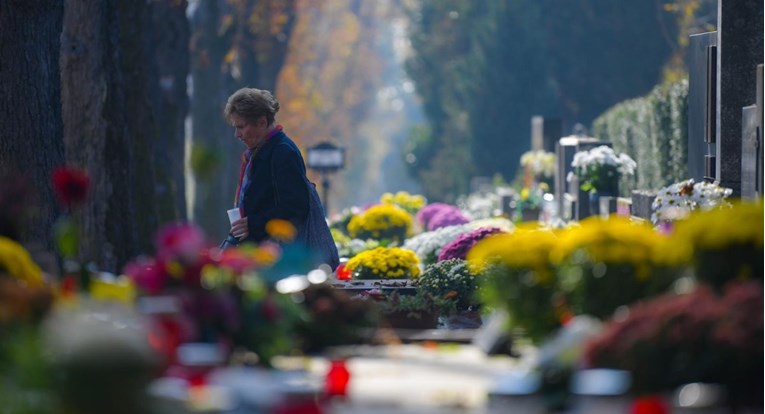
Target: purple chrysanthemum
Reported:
point(459, 247)
point(426, 213)
point(447, 217)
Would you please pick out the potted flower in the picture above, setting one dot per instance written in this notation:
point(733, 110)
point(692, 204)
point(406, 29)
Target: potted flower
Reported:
point(428, 245)
point(383, 222)
point(451, 279)
point(723, 244)
point(418, 311)
point(599, 170)
point(384, 263)
point(614, 256)
point(412, 203)
point(678, 200)
point(538, 164)
point(694, 337)
point(517, 276)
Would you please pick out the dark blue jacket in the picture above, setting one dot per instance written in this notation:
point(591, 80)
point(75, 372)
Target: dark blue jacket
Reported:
point(277, 188)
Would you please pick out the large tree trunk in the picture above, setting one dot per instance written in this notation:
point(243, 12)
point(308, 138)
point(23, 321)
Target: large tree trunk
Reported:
point(214, 172)
point(171, 40)
point(258, 48)
point(96, 133)
point(30, 112)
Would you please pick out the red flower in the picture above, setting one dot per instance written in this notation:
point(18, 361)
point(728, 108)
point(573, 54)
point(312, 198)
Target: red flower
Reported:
point(70, 185)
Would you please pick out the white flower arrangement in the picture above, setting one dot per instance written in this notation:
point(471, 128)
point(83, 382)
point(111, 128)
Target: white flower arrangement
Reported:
point(677, 200)
point(539, 163)
point(479, 205)
point(427, 246)
point(600, 168)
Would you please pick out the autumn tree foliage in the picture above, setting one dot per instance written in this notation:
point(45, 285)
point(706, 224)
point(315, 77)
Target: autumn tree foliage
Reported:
point(331, 80)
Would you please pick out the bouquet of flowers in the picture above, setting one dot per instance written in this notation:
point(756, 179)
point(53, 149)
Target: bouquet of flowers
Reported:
point(427, 246)
point(614, 256)
point(451, 279)
point(517, 276)
point(676, 201)
point(600, 168)
point(384, 263)
point(426, 214)
point(409, 202)
point(381, 222)
point(539, 163)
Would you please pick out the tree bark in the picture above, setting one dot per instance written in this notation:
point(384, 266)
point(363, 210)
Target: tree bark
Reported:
point(96, 133)
point(171, 54)
point(214, 185)
point(31, 134)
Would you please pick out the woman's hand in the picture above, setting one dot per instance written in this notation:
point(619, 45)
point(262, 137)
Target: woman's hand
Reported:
point(239, 228)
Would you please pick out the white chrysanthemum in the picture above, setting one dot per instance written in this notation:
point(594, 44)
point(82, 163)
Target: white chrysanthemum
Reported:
point(428, 245)
point(677, 200)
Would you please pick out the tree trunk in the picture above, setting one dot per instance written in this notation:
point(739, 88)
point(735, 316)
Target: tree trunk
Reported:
point(214, 150)
point(30, 113)
point(171, 54)
point(96, 133)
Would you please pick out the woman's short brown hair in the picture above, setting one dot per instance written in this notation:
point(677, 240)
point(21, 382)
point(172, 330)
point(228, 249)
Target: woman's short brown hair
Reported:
point(251, 104)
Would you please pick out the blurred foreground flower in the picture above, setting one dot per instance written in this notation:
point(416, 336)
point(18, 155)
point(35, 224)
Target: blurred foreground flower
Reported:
point(71, 185)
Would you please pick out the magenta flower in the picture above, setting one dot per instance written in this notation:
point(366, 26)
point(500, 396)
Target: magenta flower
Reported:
point(426, 213)
point(447, 217)
point(147, 273)
point(459, 247)
point(181, 241)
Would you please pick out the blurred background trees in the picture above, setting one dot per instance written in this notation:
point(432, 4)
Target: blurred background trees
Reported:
point(424, 94)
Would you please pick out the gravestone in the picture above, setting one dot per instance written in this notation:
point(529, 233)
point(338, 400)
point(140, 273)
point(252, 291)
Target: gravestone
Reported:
point(641, 203)
point(572, 201)
point(582, 206)
point(752, 175)
point(702, 69)
point(545, 133)
point(751, 153)
point(739, 51)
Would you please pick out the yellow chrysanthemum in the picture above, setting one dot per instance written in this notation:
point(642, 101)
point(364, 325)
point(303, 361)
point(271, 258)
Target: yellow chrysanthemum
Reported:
point(614, 241)
point(385, 263)
point(402, 199)
point(522, 249)
point(16, 262)
point(719, 228)
point(383, 221)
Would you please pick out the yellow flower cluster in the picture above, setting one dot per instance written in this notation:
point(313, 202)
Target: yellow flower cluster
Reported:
point(383, 221)
point(385, 263)
point(409, 202)
point(719, 228)
point(16, 262)
point(616, 240)
point(521, 249)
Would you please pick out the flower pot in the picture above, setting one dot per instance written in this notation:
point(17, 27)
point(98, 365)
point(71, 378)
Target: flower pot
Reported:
point(530, 214)
point(595, 201)
point(412, 320)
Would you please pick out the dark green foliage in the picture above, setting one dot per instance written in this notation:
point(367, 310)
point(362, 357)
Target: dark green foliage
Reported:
point(483, 69)
point(653, 130)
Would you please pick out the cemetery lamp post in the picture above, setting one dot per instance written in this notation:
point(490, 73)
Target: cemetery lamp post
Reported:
point(325, 158)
